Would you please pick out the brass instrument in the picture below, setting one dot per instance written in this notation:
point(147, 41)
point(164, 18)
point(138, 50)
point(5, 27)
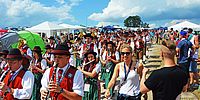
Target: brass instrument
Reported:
point(52, 78)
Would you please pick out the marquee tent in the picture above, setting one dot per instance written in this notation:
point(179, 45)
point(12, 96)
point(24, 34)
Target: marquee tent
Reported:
point(47, 27)
point(185, 24)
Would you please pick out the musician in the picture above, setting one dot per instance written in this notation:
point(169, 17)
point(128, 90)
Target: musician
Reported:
point(91, 73)
point(88, 45)
point(109, 58)
point(38, 66)
point(48, 56)
point(18, 83)
point(3, 63)
point(26, 52)
point(68, 81)
point(52, 42)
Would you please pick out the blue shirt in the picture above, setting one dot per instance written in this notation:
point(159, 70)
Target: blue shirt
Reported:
point(184, 46)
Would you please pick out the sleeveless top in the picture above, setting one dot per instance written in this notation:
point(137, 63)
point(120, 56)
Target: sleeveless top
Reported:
point(131, 86)
point(196, 52)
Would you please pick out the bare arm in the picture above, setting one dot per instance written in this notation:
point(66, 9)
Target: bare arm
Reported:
point(90, 74)
point(112, 81)
point(143, 88)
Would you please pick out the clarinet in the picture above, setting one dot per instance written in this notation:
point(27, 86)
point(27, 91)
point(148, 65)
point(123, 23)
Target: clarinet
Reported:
point(4, 75)
point(52, 78)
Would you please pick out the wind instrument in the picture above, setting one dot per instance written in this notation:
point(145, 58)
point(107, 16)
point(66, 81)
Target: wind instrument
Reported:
point(52, 78)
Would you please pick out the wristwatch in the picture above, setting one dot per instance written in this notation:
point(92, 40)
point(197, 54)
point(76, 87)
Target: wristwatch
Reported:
point(61, 90)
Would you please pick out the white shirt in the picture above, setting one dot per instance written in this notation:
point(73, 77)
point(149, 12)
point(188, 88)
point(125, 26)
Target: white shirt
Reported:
point(98, 67)
point(29, 52)
point(116, 55)
point(78, 81)
point(131, 86)
point(27, 84)
point(43, 64)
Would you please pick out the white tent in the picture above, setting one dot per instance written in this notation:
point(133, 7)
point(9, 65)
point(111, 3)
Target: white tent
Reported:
point(72, 26)
point(47, 27)
point(185, 24)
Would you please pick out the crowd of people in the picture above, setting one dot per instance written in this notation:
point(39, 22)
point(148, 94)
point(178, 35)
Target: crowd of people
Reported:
point(73, 66)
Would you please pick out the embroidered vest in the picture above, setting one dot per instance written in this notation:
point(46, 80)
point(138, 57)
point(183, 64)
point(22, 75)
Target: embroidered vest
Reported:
point(66, 83)
point(91, 47)
point(16, 83)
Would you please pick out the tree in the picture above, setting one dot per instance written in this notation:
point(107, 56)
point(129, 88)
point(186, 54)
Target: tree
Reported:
point(133, 21)
point(145, 25)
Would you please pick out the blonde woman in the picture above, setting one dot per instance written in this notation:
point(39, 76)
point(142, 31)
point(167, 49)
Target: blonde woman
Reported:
point(128, 72)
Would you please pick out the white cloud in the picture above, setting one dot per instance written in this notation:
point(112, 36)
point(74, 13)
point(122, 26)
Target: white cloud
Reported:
point(148, 10)
point(182, 3)
point(18, 11)
point(61, 1)
point(117, 9)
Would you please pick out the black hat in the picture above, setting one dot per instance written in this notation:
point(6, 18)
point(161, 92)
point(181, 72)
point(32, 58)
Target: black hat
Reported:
point(61, 50)
point(51, 38)
point(110, 42)
point(37, 49)
point(14, 54)
point(47, 47)
point(88, 35)
point(90, 52)
point(4, 52)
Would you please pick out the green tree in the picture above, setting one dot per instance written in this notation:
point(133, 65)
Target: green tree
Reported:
point(145, 25)
point(133, 21)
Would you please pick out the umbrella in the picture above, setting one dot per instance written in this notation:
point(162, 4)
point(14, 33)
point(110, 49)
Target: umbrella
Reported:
point(8, 39)
point(32, 39)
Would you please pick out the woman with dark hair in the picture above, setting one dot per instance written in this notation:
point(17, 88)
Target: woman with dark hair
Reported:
point(91, 71)
point(38, 65)
point(109, 59)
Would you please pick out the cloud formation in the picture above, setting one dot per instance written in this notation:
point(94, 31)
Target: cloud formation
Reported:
point(19, 12)
point(149, 10)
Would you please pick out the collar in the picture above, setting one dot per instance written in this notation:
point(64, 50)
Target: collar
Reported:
point(64, 68)
point(18, 69)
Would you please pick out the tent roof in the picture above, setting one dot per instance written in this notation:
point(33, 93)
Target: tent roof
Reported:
point(46, 26)
point(185, 24)
point(72, 26)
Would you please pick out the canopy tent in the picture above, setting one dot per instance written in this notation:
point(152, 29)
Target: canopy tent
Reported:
point(185, 24)
point(47, 27)
point(72, 27)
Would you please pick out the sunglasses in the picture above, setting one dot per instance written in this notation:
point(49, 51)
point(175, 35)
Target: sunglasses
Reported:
point(127, 53)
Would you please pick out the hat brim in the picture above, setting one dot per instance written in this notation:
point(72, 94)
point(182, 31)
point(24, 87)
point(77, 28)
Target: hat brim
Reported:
point(94, 53)
point(51, 38)
point(60, 52)
point(36, 51)
point(13, 57)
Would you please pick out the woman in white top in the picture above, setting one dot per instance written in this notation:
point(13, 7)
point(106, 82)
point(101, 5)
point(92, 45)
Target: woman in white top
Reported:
point(38, 66)
point(128, 73)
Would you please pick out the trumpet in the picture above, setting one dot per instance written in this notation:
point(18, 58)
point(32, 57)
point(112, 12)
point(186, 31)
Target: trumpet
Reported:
point(52, 78)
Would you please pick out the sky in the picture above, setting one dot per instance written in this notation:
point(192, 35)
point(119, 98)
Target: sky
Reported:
point(157, 13)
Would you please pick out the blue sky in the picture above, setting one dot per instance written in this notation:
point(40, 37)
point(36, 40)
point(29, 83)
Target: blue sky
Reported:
point(97, 12)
